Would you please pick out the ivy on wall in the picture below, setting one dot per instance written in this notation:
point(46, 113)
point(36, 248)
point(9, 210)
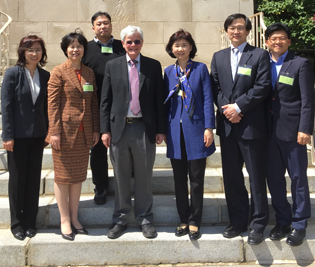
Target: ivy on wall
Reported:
point(299, 15)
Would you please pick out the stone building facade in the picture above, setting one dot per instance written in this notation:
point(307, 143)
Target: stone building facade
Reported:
point(52, 19)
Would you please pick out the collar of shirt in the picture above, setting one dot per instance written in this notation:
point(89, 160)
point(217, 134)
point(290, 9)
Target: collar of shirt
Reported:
point(280, 59)
point(109, 43)
point(240, 47)
point(129, 64)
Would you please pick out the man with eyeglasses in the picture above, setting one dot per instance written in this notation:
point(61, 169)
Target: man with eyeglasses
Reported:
point(291, 115)
point(100, 50)
point(241, 82)
point(133, 121)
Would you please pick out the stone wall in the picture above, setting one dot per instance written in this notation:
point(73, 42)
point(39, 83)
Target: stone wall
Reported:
point(52, 19)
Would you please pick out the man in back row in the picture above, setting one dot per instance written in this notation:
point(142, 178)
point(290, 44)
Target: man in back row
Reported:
point(100, 50)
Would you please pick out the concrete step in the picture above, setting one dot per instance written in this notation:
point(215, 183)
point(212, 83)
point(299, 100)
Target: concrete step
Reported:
point(47, 248)
point(164, 210)
point(161, 161)
point(163, 182)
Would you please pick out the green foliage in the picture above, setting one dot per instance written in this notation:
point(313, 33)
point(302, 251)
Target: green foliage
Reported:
point(299, 15)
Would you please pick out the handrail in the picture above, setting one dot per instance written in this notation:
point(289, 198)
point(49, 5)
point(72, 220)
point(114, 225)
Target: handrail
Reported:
point(4, 45)
point(7, 23)
point(255, 37)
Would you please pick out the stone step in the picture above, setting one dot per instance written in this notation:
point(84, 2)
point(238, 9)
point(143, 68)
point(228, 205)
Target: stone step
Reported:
point(164, 210)
point(162, 182)
point(47, 248)
point(161, 161)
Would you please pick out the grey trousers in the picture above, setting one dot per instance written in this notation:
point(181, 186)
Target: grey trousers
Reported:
point(133, 151)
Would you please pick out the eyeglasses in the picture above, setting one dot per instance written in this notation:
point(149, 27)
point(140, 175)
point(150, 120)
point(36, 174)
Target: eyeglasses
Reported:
point(280, 39)
point(32, 51)
point(239, 29)
point(136, 42)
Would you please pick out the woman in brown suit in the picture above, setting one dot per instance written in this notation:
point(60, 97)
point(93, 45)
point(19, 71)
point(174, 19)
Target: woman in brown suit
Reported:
point(73, 129)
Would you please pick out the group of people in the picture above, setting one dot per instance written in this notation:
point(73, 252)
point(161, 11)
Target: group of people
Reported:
point(107, 95)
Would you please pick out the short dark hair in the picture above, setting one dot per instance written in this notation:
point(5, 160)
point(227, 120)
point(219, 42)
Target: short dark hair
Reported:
point(26, 43)
point(70, 38)
point(181, 34)
point(100, 13)
point(277, 26)
point(229, 20)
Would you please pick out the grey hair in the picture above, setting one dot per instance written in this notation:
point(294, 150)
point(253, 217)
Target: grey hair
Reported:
point(130, 30)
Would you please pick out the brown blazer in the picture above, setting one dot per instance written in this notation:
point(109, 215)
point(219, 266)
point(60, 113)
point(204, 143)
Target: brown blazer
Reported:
point(68, 104)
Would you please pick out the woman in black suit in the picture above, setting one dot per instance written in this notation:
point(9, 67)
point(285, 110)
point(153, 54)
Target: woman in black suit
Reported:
point(24, 128)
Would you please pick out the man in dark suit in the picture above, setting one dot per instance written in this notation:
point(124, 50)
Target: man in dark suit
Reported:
point(241, 82)
point(100, 50)
point(132, 120)
point(291, 114)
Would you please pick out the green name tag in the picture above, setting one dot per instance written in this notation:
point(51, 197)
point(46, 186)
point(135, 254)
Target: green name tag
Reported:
point(87, 88)
point(286, 80)
point(244, 71)
point(180, 93)
point(106, 49)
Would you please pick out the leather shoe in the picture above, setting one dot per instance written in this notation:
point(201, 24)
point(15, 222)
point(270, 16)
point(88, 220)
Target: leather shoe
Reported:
point(116, 230)
point(19, 236)
point(82, 231)
point(69, 237)
point(194, 235)
point(148, 230)
point(255, 237)
point(296, 237)
point(100, 196)
point(279, 231)
point(182, 231)
point(233, 231)
point(30, 232)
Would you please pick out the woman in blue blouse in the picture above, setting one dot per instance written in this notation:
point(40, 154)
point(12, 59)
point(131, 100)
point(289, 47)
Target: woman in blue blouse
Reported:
point(191, 120)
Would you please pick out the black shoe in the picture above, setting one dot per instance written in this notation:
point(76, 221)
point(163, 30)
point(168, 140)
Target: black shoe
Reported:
point(233, 231)
point(19, 236)
point(296, 237)
point(194, 235)
point(255, 237)
point(69, 237)
point(82, 231)
point(148, 230)
point(100, 196)
point(279, 231)
point(182, 231)
point(31, 232)
point(116, 230)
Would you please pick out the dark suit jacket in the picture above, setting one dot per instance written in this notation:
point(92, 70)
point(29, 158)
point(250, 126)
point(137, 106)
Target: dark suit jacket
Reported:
point(115, 97)
point(291, 107)
point(96, 60)
point(20, 117)
point(248, 92)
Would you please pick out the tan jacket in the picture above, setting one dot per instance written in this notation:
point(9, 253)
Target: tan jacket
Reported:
point(68, 104)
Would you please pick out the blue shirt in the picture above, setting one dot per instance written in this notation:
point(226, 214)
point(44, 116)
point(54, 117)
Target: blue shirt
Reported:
point(275, 67)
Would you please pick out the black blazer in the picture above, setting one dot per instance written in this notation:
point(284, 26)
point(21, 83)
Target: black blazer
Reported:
point(291, 107)
point(247, 91)
point(20, 117)
point(115, 97)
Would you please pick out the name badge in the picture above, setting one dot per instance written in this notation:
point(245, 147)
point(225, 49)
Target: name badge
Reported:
point(180, 93)
point(87, 88)
point(286, 80)
point(106, 49)
point(244, 70)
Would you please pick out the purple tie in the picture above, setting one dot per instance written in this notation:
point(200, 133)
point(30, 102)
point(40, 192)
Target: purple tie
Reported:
point(134, 88)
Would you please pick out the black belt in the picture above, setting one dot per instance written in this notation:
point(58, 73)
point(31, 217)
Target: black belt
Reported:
point(133, 119)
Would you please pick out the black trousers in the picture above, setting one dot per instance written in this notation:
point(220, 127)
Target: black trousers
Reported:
point(24, 163)
point(99, 166)
point(189, 213)
point(236, 151)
